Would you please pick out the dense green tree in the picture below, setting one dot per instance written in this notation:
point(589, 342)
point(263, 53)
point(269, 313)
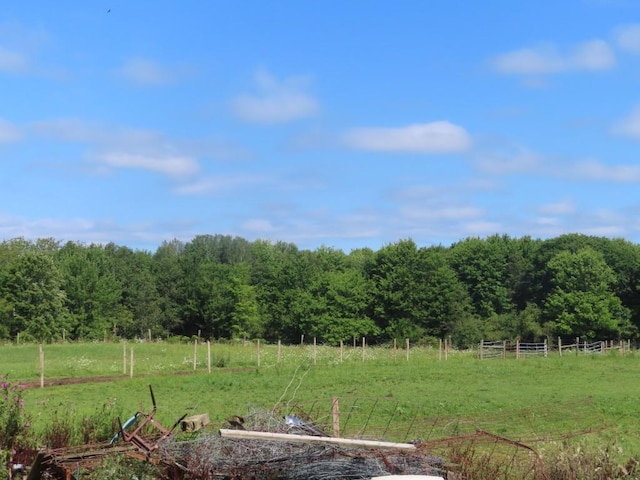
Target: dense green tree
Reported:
point(280, 274)
point(139, 306)
point(624, 259)
point(223, 287)
point(482, 265)
point(581, 302)
point(397, 277)
point(170, 285)
point(336, 307)
point(446, 302)
point(32, 289)
point(91, 290)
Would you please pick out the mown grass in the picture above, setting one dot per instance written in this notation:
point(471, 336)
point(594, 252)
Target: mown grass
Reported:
point(537, 401)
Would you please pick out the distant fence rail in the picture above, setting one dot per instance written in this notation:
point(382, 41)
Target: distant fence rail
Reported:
point(517, 349)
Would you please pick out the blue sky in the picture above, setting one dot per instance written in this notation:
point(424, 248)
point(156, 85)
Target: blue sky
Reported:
point(346, 124)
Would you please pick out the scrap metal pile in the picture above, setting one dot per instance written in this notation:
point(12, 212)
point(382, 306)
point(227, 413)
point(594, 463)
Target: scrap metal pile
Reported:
point(268, 446)
point(271, 445)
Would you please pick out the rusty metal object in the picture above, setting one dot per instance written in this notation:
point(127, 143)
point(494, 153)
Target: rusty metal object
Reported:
point(140, 443)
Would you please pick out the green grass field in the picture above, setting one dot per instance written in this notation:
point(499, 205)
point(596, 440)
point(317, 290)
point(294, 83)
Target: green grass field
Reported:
point(589, 398)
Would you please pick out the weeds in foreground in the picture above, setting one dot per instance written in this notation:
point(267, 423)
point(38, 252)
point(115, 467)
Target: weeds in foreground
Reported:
point(122, 467)
point(64, 431)
point(579, 461)
point(562, 461)
point(14, 423)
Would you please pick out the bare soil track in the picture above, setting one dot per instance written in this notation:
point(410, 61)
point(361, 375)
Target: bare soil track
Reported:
point(110, 378)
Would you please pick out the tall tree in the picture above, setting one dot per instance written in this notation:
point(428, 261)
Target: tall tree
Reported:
point(139, 306)
point(91, 290)
point(33, 287)
point(581, 302)
point(482, 265)
point(170, 285)
point(398, 278)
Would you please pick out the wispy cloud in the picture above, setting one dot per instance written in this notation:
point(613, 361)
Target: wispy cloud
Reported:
point(204, 186)
point(627, 37)
point(434, 137)
point(629, 126)
point(82, 131)
point(173, 166)
point(95, 230)
point(9, 132)
point(145, 72)
point(546, 59)
point(558, 208)
point(114, 147)
point(514, 160)
point(276, 101)
point(598, 171)
point(443, 212)
point(12, 61)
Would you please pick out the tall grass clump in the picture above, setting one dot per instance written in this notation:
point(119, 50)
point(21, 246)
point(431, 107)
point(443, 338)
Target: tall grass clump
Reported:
point(14, 422)
point(66, 427)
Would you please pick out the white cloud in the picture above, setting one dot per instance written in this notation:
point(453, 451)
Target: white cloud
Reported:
point(8, 132)
point(146, 72)
point(12, 62)
point(434, 137)
point(513, 161)
point(80, 131)
point(630, 125)
point(592, 55)
point(276, 102)
point(168, 165)
point(483, 228)
point(529, 61)
point(545, 59)
point(595, 170)
point(434, 213)
point(628, 37)
point(258, 226)
point(558, 208)
point(217, 184)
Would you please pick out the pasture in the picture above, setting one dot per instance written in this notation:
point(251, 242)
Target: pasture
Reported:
point(590, 399)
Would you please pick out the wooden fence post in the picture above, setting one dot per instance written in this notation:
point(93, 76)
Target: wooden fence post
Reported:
point(504, 349)
point(124, 358)
point(341, 351)
point(406, 341)
point(517, 349)
point(546, 349)
point(41, 351)
point(208, 356)
point(195, 353)
point(363, 348)
point(131, 364)
point(335, 410)
point(258, 353)
point(560, 346)
point(279, 350)
point(315, 351)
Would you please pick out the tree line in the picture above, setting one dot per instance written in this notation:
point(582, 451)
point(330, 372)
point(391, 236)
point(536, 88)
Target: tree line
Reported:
point(224, 287)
